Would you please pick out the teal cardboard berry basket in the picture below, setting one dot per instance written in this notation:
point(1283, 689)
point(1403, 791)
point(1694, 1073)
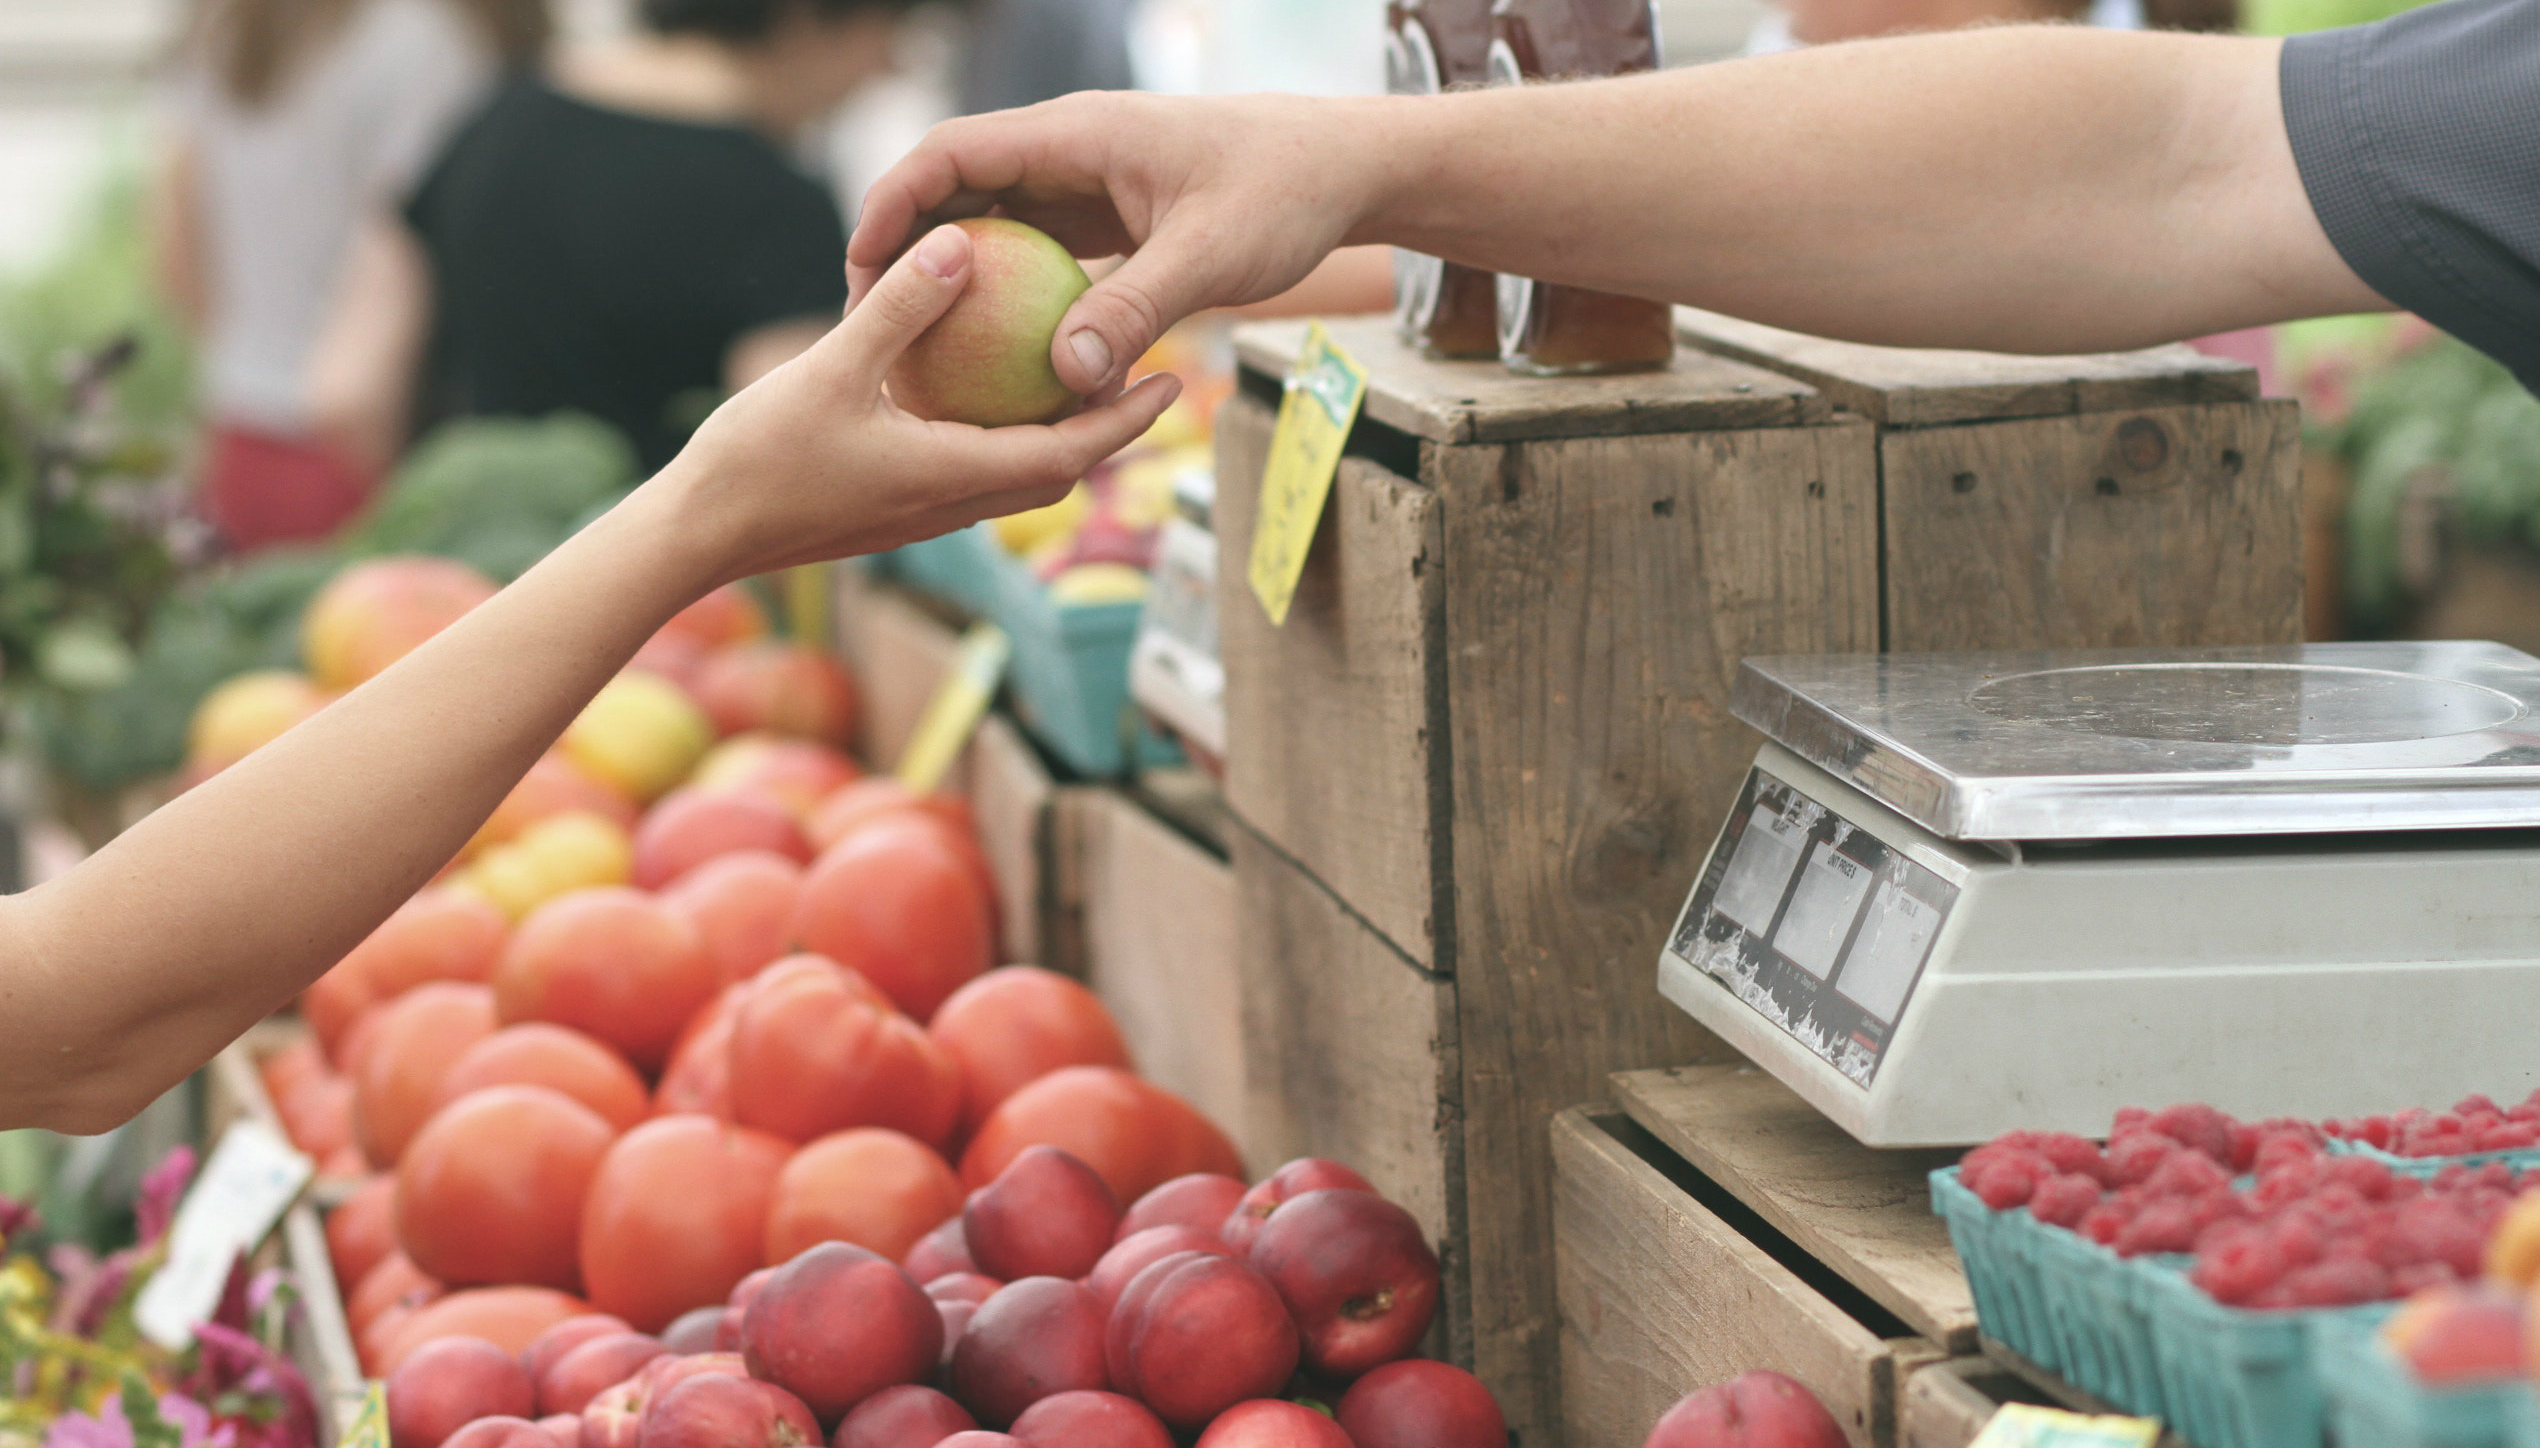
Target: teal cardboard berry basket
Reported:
point(2236, 1377)
point(2374, 1398)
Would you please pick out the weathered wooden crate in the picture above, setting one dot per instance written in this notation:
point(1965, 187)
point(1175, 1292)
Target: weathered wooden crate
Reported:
point(1494, 737)
point(1159, 948)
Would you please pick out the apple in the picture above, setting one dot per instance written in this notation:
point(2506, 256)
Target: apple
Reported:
point(503, 1431)
point(1305, 1174)
point(1035, 1337)
point(446, 1384)
point(615, 1418)
point(1089, 1419)
point(564, 1428)
point(1046, 1215)
point(1195, 1334)
point(1138, 1251)
point(573, 1380)
point(1273, 1423)
point(838, 1324)
point(721, 1412)
point(986, 361)
point(1356, 1274)
point(694, 1331)
point(1201, 1201)
point(963, 1287)
point(940, 1251)
point(564, 1337)
point(1417, 1403)
point(908, 1416)
point(1758, 1409)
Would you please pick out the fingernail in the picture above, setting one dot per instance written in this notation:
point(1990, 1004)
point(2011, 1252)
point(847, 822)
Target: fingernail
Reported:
point(1092, 353)
point(943, 251)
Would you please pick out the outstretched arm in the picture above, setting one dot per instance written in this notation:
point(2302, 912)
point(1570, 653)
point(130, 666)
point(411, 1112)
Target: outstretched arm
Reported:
point(135, 968)
point(2036, 188)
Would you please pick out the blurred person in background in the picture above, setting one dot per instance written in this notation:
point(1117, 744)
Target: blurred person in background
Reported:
point(1023, 52)
point(620, 234)
point(288, 122)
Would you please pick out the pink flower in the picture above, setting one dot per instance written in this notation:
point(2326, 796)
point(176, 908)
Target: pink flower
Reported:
point(162, 1187)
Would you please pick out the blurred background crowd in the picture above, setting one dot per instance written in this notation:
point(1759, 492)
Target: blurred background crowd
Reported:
point(284, 282)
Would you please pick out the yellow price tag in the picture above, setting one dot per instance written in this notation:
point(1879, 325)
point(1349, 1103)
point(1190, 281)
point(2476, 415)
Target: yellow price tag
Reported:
point(369, 1428)
point(1323, 395)
point(2025, 1425)
point(955, 710)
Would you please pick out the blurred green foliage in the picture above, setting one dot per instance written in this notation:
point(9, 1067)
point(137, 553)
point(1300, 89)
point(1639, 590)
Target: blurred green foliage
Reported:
point(2295, 17)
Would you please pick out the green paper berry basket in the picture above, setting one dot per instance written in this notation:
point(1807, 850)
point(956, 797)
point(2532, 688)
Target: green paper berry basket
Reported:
point(2520, 1159)
point(2522, 1421)
point(2374, 1399)
point(2236, 1377)
point(2004, 1275)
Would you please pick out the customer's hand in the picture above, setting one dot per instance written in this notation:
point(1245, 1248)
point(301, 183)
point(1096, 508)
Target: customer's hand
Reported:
point(814, 460)
point(1215, 202)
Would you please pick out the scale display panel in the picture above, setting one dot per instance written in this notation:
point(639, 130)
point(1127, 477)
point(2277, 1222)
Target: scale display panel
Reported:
point(1813, 922)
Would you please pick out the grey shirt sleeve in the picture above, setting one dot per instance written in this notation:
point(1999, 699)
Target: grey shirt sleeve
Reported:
point(2418, 140)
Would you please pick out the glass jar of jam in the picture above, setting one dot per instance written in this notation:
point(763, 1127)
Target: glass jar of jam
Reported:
point(1547, 330)
point(1443, 308)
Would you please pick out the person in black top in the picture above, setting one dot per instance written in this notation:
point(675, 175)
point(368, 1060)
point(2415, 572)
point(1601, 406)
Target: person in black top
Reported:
point(620, 235)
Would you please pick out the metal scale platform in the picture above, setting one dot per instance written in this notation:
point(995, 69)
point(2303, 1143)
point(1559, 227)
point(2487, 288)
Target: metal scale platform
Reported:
point(1961, 893)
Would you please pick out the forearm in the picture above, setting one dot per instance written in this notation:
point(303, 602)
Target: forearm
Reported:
point(355, 810)
point(2030, 188)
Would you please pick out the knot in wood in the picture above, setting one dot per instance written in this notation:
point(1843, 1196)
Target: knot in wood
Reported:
point(2143, 444)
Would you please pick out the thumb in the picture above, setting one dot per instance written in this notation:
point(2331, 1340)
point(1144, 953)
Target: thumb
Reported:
point(1112, 325)
point(903, 302)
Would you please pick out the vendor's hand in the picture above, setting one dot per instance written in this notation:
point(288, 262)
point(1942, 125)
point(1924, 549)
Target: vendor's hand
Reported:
point(815, 461)
point(1215, 202)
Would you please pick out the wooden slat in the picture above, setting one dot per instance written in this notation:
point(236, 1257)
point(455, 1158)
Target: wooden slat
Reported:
point(1332, 716)
point(2176, 525)
point(1599, 595)
point(1350, 1054)
point(1465, 402)
point(1947, 1404)
point(1660, 1296)
point(1010, 794)
point(1863, 1212)
point(900, 653)
point(1910, 387)
point(1160, 951)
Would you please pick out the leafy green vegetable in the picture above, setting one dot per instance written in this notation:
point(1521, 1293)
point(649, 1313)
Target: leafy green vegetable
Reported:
point(498, 493)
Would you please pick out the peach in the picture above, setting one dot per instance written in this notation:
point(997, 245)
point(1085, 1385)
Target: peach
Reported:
point(2452, 1335)
point(1273, 1423)
point(641, 734)
point(908, 1416)
point(691, 826)
point(443, 1386)
point(573, 1380)
point(510, 1432)
point(838, 1324)
point(1085, 1419)
point(1417, 1403)
point(956, 1316)
point(696, 1330)
point(563, 1429)
point(723, 1412)
point(1140, 1250)
point(1356, 1274)
point(1035, 1337)
point(1201, 1201)
point(615, 1418)
point(870, 1187)
point(1046, 1215)
point(1756, 1409)
point(986, 361)
point(1196, 1334)
point(613, 963)
point(982, 1438)
point(742, 908)
point(777, 688)
point(963, 1287)
point(547, 1347)
point(940, 1251)
point(1305, 1174)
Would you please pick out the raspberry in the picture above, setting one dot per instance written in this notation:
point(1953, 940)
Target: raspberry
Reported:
point(2167, 1225)
point(2064, 1200)
point(2135, 1155)
point(2187, 1174)
point(2336, 1282)
point(2477, 1104)
point(2004, 1182)
point(2418, 1276)
point(2105, 1222)
point(2289, 1182)
point(2196, 1125)
point(2508, 1135)
point(2367, 1178)
point(2222, 1204)
point(2136, 1118)
point(2431, 1229)
point(2298, 1240)
point(2239, 1269)
point(2071, 1153)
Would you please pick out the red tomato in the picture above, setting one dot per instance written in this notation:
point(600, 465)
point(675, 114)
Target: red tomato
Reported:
point(492, 1189)
point(1016, 1024)
point(812, 1053)
point(443, 933)
point(874, 1188)
point(332, 1003)
point(392, 1282)
point(742, 907)
point(690, 826)
point(508, 1317)
point(613, 963)
point(1136, 1133)
point(397, 1081)
point(896, 901)
point(362, 1231)
point(558, 1058)
point(782, 688)
point(677, 1216)
point(728, 615)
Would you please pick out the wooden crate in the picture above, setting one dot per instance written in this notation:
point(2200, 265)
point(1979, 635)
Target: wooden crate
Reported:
point(1159, 933)
point(1494, 731)
point(1665, 1289)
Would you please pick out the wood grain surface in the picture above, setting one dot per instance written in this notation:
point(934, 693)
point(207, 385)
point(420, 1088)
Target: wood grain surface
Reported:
point(1866, 1213)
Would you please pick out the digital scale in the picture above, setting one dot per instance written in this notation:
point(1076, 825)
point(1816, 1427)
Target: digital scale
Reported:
point(1962, 893)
